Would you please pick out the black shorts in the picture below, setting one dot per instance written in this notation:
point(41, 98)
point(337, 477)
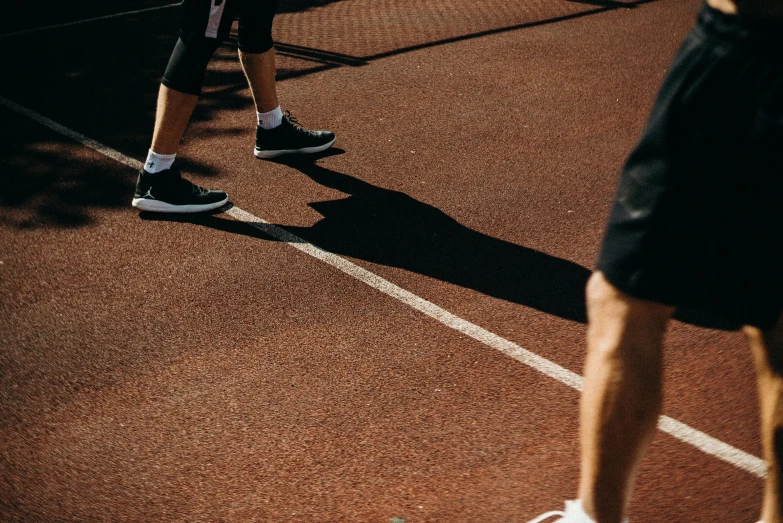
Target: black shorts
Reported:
point(698, 214)
point(214, 18)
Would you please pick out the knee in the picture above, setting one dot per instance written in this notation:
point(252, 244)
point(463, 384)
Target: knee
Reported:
point(188, 64)
point(255, 28)
point(621, 326)
point(599, 293)
point(255, 42)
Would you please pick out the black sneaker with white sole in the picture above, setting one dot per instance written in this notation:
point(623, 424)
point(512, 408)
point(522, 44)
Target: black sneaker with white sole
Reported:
point(290, 138)
point(168, 191)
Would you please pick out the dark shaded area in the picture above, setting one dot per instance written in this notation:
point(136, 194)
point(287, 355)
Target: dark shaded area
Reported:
point(108, 93)
point(211, 220)
point(37, 189)
point(22, 16)
point(705, 319)
point(391, 228)
point(295, 6)
point(19, 16)
point(318, 56)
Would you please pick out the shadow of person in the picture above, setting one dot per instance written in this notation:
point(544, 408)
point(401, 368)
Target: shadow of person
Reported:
point(391, 228)
point(210, 220)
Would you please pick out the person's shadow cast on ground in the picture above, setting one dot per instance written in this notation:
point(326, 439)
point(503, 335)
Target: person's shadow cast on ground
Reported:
point(391, 228)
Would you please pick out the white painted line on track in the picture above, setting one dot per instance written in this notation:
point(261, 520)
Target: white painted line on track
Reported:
point(677, 429)
point(77, 22)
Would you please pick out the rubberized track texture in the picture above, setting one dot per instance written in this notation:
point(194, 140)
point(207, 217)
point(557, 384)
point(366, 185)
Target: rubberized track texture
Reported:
point(393, 360)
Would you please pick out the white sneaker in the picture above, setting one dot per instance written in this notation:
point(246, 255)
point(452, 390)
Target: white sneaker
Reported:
point(574, 513)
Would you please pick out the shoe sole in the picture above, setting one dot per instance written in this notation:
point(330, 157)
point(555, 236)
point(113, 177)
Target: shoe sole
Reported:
point(280, 152)
point(144, 204)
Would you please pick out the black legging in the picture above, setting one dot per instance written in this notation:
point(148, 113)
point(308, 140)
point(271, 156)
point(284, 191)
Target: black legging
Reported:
point(207, 23)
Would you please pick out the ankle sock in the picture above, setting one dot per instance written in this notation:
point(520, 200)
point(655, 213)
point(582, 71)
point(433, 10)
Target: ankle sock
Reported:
point(271, 119)
point(158, 162)
point(580, 515)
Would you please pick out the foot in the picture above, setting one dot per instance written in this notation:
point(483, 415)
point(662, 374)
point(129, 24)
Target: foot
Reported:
point(572, 514)
point(167, 191)
point(290, 138)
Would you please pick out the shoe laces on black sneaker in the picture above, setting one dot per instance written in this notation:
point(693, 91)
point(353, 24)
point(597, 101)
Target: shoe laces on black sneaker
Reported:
point(296, 125)
point(196, 189)
point(175, 178)
point(293, 120)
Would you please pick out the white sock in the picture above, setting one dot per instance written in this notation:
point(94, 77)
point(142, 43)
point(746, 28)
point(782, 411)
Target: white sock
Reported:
point(158, 162)
point(577, 514)
point(271, 119)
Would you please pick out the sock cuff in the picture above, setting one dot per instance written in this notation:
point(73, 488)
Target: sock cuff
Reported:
point(156, 163)
point(270, 119)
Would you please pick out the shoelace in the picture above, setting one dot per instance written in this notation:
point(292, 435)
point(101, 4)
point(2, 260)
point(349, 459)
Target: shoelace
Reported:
point(296, 124)
point(291, 119)
point(195, 189)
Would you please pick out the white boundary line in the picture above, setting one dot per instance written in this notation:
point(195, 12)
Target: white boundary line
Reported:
point(679, 430)
point(77, 22)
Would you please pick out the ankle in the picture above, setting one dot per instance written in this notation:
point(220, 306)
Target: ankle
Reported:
point(156, 163)
point(270, 119)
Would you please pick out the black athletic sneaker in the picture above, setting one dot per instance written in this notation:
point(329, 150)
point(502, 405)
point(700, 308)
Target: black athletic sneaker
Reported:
point(290, 138)
point(167, 191)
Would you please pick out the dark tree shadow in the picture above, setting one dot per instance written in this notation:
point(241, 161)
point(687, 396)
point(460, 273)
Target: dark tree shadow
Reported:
point(38, 190)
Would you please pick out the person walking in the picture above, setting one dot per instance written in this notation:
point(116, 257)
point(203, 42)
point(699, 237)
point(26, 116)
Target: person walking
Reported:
point(694, 226)
point(205, 24)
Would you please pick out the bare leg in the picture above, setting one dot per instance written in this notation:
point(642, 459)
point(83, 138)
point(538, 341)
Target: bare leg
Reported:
point(767, 350)
point(171, 118)
point(260, 72)
point(621, 400)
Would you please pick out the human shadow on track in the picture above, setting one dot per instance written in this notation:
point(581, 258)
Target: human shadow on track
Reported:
point(393, 229)
point(211, 220)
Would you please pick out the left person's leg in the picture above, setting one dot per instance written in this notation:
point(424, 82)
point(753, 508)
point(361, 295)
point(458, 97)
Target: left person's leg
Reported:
point(277, 133)
point(260, 70)
point(172, 115)
point(160, 188)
